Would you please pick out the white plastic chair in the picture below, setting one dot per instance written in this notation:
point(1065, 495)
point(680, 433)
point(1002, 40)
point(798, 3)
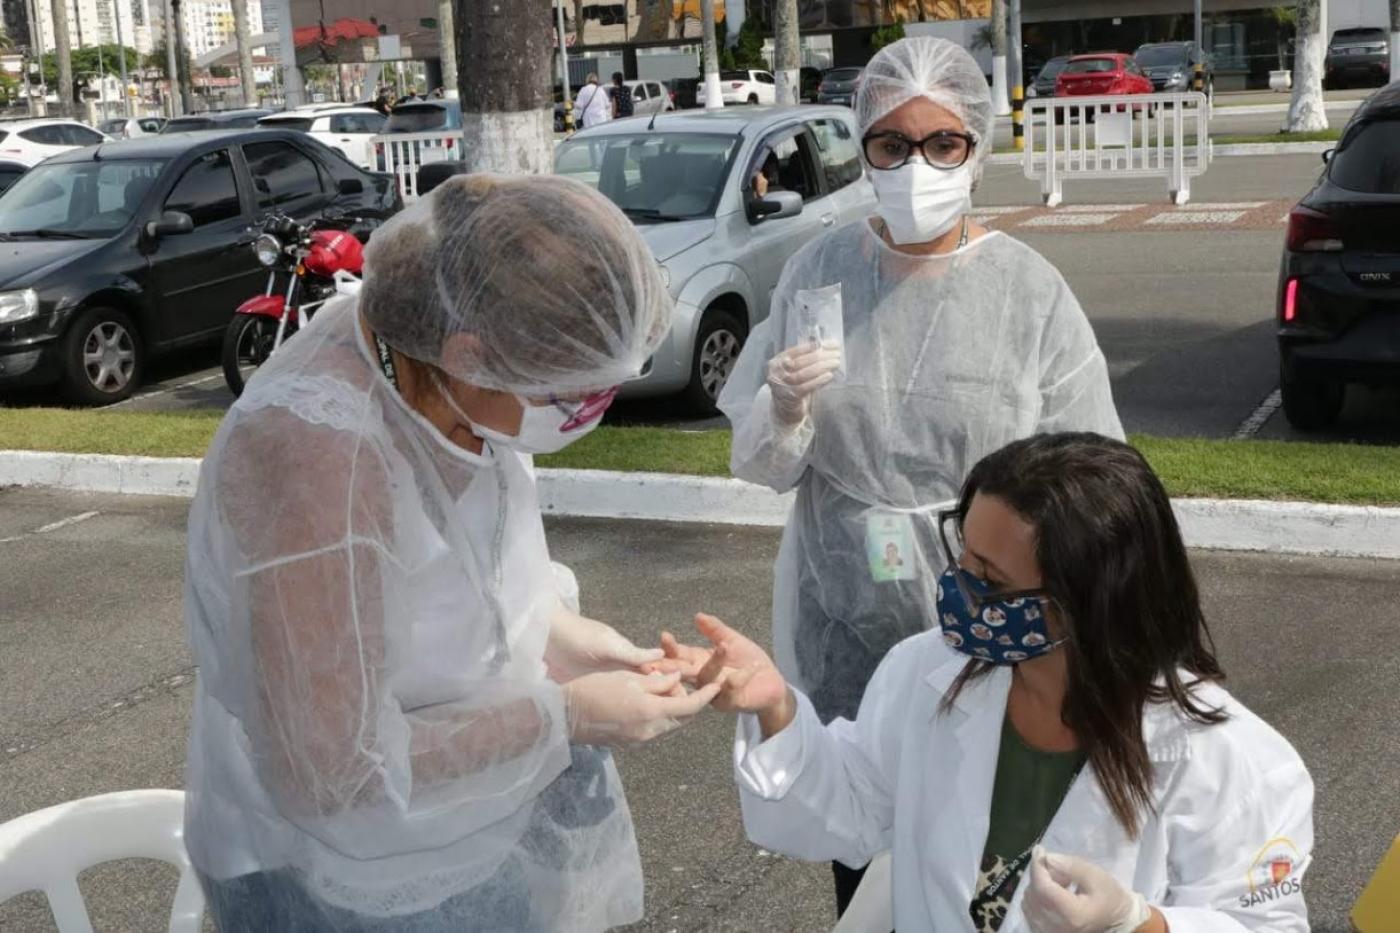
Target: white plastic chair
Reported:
point(46, 851)
point(872, 906)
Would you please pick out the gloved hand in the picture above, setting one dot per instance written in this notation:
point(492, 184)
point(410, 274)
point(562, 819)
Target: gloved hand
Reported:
point(1099, 905)
point(795, 375)
point(625, 708)
point(579, 646)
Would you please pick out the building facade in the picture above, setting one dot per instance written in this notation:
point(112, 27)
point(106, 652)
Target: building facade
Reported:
point(90, 22)
point(209, 23)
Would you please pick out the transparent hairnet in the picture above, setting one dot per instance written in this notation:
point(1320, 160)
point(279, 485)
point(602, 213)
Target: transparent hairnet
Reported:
point(924, 66)
point(532, 285)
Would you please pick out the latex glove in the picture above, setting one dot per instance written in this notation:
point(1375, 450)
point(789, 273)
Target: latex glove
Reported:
point(626, 708)
point(795, 375)
point(1100, 904)
point(579, 646)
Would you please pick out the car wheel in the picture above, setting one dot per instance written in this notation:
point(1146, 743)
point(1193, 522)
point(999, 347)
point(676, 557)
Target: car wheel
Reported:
point(247, 345)
point(717, 346)
point(1311, 404)
point(753, 100)
point(102, 357)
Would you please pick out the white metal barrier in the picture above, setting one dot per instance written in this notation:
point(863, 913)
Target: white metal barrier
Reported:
point(403, 154)
point(1117, 136)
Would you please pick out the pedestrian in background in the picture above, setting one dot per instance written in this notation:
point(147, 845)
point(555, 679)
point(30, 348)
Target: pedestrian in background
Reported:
point(592, 105)
point(950, 341)
point(621, 96)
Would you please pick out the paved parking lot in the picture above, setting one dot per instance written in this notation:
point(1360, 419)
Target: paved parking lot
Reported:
point(95, 686)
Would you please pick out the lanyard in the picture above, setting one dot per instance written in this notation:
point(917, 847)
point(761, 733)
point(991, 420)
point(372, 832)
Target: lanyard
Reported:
point(386, 362)
point(1020, 863)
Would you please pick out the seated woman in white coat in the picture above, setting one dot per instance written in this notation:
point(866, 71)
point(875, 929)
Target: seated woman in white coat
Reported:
point(1057, 755)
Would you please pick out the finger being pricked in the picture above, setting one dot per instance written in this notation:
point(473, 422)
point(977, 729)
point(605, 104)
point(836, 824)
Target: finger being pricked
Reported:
point(713, 629)
point(689, 704)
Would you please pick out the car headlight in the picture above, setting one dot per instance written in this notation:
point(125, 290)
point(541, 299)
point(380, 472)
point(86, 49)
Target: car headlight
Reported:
point(268, 248)
point(18, 306)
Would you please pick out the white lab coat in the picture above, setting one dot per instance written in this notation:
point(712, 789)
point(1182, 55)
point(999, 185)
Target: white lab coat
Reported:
point(593, 105)
point(1226, 849)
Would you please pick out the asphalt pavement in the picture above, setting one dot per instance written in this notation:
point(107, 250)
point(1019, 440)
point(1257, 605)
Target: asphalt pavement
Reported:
point(96, 684)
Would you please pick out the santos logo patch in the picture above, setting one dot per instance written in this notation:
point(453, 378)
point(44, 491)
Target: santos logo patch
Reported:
point(1271, 875)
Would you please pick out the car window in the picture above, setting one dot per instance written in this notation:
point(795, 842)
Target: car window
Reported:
point(43, 135)
point(112, 127)
point(763, 77)
point(281, 173)
point(1087, 65)
point(1157, 56)
point(783, 161)
point(838, 152)
point(150, 126)
point(1371, 160)
point(356, 123)
point(207, 190)
point(239, 123)
point(416, 118)
point(80, 135)
point(639, 92)
point(734, 76)
point(651, 176)
point(188, 124)
point(9, 174)
point(654, 88)
point(88, 198)
point(299, 124)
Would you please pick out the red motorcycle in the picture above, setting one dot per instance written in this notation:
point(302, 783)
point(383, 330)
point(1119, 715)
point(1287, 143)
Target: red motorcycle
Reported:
point(318, 260)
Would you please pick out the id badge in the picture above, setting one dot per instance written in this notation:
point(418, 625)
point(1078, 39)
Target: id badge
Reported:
point(889, 546)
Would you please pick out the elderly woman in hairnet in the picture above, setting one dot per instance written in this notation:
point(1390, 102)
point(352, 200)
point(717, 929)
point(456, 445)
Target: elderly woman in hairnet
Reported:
point(397, 716)
point(951, 341)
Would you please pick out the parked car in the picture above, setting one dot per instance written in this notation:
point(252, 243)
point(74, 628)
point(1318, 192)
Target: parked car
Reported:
point(29, 142)
point(1360, 55)
point(810, 84)
point(1043, 85)
point(10, 173)
point(131, 127)
point(1339, 284)
point(688, 185)
point(1100, 74)
point(743, 87)
point(111, 254)
point(215, 120)
point(423, 116)
point(839, 86)
point(649, 97)
point(1171, 66)
point(347, 130)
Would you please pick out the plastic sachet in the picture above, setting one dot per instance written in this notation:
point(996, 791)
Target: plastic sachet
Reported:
point(816, 317)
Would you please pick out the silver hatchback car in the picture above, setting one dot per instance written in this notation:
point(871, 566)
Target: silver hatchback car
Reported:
point(723, 198)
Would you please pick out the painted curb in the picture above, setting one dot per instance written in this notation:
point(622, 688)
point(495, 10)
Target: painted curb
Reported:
point(1300, 528)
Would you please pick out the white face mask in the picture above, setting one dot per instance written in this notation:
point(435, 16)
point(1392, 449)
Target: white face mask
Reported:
point(920, 203)
point(544, 429)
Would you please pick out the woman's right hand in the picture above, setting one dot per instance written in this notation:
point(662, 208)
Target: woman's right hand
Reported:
point(795, 375)
point(626, 708)
point(750, 682)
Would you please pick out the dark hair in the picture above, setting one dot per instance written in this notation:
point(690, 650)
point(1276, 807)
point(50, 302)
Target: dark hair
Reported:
point(1113, 562)
point(617, 77)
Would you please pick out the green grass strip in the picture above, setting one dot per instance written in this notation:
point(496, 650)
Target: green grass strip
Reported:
point(1192, 467)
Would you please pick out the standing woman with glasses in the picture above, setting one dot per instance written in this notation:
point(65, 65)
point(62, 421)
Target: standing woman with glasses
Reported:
point(954, 341)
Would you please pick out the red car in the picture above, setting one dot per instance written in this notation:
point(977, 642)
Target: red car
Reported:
point(1102, 73)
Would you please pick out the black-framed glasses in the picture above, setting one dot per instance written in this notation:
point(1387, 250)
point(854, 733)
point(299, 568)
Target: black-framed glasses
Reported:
point(946, 149)
point(977, 593)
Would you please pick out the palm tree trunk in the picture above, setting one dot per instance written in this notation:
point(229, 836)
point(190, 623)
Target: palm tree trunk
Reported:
point(63, 50)
point(1306, 113)
point(507, 107)
point(787, 52)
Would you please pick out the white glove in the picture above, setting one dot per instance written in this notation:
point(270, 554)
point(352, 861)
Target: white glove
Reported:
point(795, 375)
point(579, 646)
point(626, 708)
point(1098, 905)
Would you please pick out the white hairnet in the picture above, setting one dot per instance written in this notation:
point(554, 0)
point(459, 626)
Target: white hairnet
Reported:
point(924, 66)
point(531, 285)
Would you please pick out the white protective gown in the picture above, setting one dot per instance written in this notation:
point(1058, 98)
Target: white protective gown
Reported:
point(1224, 851)
point(947, 358)
point(369, 606)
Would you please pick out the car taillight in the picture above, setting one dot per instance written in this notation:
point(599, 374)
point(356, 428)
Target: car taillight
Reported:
point(736, 84)
point(1290, 301)
point(449, 142)
point(1311, 231)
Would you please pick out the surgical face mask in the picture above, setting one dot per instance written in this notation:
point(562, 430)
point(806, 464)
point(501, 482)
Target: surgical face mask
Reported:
point(998, 631)
point(920, 203)
point(544, 429)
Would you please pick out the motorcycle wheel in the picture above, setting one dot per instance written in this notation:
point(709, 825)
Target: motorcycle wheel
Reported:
point(247, 345)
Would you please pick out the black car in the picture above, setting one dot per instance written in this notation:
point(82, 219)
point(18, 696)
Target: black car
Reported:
point(1357, 55)
point(839, 86)
point(1339, 286)
point(114, 252)
point(1172, 66)
point(1044, 83)
point(810, 83)
point(684, 90)
point(216, 120)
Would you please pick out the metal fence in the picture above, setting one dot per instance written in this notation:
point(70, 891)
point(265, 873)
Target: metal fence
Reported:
point(1163, 136)
point(403, 154)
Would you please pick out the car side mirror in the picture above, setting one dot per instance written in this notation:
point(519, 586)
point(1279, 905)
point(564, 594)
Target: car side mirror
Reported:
point(171, 223)
point(776, 205)
point(351, 186)
point(1327, 156)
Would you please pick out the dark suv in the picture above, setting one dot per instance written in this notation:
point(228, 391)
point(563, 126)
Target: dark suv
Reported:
point(1358, 55)
point(1339, 286)
point(838, 86)
point(1172, 66)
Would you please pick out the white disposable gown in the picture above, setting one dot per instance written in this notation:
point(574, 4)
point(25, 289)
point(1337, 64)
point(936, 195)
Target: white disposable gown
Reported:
point(948, 358)
point(1224, 850)
point(369, 606)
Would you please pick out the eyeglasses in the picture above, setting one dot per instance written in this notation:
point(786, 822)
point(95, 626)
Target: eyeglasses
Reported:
point(946, 149)
point(976, 593)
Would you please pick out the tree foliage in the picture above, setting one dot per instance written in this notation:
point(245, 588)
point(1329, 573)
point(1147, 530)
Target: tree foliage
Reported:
point(887, 35)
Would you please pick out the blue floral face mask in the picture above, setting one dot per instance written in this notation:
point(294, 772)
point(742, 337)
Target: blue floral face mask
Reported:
point(998, 631)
